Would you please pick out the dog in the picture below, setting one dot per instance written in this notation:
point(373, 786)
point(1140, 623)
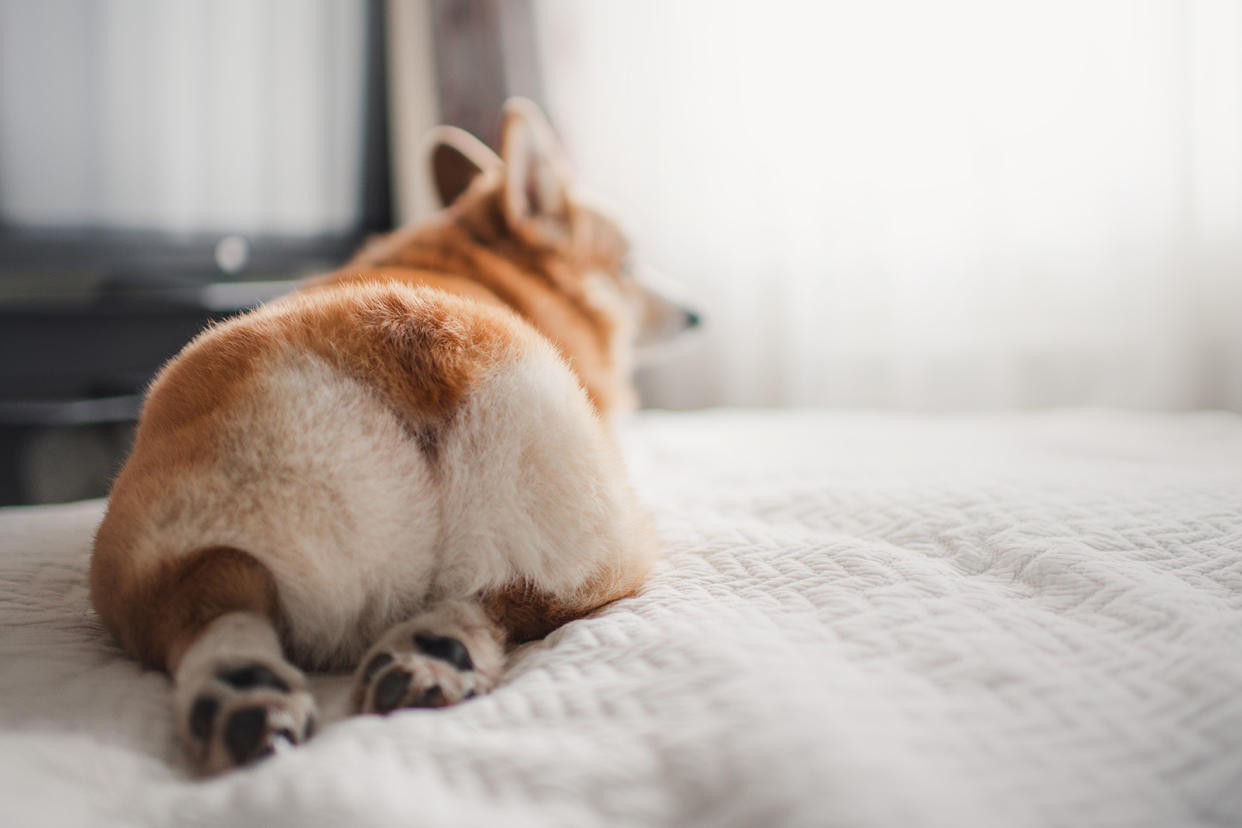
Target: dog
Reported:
point(405, 468)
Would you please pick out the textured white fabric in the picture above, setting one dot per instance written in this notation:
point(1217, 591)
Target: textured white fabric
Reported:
point(861, 620)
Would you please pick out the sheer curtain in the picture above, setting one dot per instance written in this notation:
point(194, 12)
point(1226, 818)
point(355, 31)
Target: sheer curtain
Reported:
point(935, 205)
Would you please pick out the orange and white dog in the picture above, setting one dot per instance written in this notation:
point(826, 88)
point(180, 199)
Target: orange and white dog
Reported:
point(406, 466)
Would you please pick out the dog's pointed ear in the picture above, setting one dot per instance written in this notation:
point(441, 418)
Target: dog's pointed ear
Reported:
point(535, 195)
point(452, 158)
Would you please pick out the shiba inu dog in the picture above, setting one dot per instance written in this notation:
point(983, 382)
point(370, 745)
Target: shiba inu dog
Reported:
point(405, 467)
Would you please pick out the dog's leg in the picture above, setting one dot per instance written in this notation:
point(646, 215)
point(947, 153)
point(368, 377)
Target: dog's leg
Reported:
point(208, 619)
point(443, 656)
point(236, 698)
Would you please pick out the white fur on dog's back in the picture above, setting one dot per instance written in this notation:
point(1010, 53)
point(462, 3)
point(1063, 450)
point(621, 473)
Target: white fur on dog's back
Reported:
point(316, 478)
point(320, 480)
point(533, 489)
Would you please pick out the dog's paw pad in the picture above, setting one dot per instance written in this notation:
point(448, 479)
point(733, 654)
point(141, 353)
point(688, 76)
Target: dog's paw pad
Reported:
point(244, 713)
point(414, 682)
point(417, 670)
point(390, 690)
point(203, 716)
point(252, 675)
point(445, 648)
point(243, 734)
point(253, 733)
point(450, 653)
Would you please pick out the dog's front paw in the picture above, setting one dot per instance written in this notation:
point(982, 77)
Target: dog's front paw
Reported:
point(440, 658)
point(241, 712)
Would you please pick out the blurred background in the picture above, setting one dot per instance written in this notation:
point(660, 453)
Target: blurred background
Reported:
point(923, 204)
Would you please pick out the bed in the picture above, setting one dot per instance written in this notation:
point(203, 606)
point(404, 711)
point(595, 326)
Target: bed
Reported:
point(864, 620)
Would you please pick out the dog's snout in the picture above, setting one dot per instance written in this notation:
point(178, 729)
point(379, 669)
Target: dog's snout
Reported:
point(665, 316)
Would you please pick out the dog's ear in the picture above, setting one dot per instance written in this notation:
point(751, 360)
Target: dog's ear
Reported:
point(535, 195)
point(452, 158)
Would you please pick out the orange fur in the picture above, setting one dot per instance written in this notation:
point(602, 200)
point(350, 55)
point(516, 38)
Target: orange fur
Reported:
point(470, 249)
point(527, 613)
point(178, 599)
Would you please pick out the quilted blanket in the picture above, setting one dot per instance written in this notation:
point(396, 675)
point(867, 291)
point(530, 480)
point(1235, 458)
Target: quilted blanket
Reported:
point(863, 620)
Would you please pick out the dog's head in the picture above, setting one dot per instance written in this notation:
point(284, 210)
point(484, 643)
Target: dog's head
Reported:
point(541, 210)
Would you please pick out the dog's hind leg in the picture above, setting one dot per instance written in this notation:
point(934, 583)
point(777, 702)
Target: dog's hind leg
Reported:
point(236, 698)
point(208, 619)
point(448, 654)
point(457, 649)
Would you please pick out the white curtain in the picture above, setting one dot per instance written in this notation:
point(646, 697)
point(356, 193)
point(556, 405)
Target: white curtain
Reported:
point(942, 205)
point(182, 115)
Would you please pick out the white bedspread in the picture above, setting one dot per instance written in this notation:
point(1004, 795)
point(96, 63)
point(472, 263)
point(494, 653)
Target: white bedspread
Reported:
point(862, 620)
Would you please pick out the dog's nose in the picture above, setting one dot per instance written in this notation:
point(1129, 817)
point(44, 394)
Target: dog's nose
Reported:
point(693, 320)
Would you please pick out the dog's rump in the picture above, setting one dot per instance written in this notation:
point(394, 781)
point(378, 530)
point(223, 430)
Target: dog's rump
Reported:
point(376, 448)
